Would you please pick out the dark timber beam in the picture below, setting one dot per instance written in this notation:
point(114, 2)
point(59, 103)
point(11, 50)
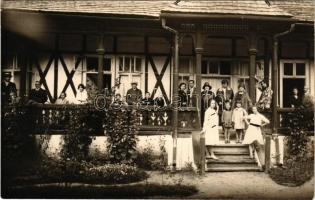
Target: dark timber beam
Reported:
point(100, 51)
point(252, 66)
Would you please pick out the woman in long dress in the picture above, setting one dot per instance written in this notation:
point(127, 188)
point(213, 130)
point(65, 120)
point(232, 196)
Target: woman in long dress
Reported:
point(255, 121)
point(210, 127)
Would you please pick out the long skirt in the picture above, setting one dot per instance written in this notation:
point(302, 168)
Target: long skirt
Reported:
point(212, 135)
point(253, 133)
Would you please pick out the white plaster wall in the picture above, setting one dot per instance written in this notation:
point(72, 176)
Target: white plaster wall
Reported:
point(98, 145)
point(159, 63)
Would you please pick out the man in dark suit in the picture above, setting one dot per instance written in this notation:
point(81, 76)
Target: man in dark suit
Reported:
point(7, 87)
point(225, 93)
point(192, 95)
point(134, 95)
point(37, 95)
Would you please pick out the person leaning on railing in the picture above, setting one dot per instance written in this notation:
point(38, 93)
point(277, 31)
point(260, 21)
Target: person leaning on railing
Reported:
point(62, 99)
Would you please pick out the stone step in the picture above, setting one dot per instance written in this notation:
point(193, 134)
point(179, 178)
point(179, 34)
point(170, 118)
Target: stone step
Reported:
point(230, 149)
point(231, 161)
point(227, 168)
point(233, 156)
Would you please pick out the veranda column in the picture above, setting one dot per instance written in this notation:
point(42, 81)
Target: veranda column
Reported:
point(252, 40)
point(252, 73)
point(100, 51)
point(175, 102)
point(199, 50)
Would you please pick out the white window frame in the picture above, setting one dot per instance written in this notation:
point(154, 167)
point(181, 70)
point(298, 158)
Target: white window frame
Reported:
point(294, 76)
point(191, 73)
point(110, 72)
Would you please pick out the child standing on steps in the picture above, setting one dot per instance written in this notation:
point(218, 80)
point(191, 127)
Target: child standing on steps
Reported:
point(227, 121)
point(211, 128)
point(238, 119)
point(255, 121)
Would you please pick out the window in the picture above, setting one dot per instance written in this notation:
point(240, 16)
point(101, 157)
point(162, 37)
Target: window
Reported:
point(92, 71)
point(216, 67)
point(92, 64)
point(130, 64)
point(300, 69)
point(185, 69)
point(288, 69)
point(294, 69)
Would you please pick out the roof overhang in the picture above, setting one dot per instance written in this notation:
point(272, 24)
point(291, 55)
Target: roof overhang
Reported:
point(225, 16)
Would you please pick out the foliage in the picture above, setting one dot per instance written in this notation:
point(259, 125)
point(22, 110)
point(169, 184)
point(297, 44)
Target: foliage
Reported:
point(121, 129)
point(83, 121)
point(61, 171)
point(16, 141)
point(299, 123)
point(125, 191)
point(295, 170)
point(144, 159)
point(298, 166)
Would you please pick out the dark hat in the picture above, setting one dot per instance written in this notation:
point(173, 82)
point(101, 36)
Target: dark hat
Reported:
point(134, 83)
point(206, 84)
point(6, 74)
point(182, 84)
point(239, 101)
point(224, 81)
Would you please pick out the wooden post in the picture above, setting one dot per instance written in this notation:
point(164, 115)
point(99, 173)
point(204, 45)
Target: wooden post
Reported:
point(199, 50)
point(267, 152)
point(275, 66)
point(175, 102)
point(100, 51)
point(252, 65)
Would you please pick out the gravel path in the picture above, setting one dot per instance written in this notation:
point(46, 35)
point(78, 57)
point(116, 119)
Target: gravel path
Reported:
point(237, 185)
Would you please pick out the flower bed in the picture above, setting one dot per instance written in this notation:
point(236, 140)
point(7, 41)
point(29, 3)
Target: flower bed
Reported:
point(60, 171)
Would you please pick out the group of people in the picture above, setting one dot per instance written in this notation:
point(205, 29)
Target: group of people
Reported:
point(236, 118)
point(134, 97)
point(37, 95)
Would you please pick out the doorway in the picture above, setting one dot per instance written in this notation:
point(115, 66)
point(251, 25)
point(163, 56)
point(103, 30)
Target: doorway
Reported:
point(288, 85)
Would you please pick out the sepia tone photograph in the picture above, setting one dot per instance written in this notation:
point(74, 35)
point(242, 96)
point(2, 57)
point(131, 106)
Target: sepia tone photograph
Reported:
point(157, 99)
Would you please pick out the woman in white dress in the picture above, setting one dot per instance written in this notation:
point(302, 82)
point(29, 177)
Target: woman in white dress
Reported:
point(255, 121)
point(210, 127)
point(82, 96)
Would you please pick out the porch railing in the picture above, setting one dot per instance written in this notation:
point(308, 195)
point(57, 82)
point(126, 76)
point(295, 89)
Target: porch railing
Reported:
point(55, 119)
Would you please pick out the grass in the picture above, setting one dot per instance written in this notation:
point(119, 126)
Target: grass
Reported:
point(124, 191)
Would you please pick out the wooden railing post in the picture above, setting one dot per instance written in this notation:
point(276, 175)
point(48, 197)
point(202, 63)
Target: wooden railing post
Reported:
point(267, 152)
point(202, 153)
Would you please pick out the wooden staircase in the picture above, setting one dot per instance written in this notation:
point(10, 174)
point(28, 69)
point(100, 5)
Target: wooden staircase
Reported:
point(232, 158)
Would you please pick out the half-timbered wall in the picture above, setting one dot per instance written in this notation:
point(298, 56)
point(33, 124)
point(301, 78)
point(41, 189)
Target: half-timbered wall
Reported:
point(63, 61)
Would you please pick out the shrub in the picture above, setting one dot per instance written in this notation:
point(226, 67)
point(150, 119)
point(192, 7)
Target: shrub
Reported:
point(83, 121)
point(144, 159)
point(121, 128)
point(60, 171)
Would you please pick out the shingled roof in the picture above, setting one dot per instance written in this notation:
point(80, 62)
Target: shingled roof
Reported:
point(235, 7)
point(120, 7)
point(302, 10)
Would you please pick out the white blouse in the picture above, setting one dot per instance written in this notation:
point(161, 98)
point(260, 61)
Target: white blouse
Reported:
point(257, 119)
point(81, 97)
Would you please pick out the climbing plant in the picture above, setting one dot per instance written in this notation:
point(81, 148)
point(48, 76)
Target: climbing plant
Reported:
point(121, 128)
point(84, 120)
point(300, 123)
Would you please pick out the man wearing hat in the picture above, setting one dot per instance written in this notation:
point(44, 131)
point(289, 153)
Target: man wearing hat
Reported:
point(134, 95)
point(243, 96)
point(7, 87)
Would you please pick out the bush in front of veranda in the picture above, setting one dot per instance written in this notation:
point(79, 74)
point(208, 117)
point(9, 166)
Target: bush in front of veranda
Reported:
point(70, 171)
point(298, 165)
